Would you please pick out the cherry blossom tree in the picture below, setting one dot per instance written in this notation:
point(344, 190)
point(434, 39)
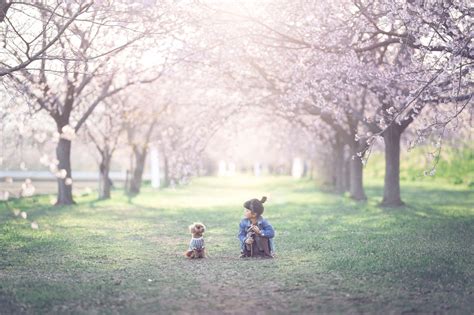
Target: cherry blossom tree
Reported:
point(104, 129)
point(368, 69)
point(342, 75)
point(90, 70)
point(140, 124)
point(424, 62)
point(23, 28)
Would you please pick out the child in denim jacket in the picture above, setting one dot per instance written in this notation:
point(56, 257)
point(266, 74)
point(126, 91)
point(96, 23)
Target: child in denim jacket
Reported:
point(254, 228)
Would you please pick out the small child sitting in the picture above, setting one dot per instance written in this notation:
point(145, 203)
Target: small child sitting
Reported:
point(255, 233)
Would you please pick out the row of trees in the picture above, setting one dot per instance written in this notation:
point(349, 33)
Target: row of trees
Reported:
point(347, 73)
point(356, 71)
point(77, 57)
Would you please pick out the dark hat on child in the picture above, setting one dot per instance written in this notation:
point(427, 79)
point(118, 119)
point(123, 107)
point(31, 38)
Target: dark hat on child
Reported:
point(255, 205)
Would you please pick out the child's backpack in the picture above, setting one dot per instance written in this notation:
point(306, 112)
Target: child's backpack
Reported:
point(259, 248)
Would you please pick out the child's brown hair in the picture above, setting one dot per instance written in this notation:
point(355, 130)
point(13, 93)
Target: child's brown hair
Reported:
point(255, 205)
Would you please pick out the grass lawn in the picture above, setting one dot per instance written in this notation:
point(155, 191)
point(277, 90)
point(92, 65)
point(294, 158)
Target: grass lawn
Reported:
point(333, 255)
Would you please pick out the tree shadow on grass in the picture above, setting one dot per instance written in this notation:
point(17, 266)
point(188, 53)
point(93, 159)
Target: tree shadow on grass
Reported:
point(417, 197)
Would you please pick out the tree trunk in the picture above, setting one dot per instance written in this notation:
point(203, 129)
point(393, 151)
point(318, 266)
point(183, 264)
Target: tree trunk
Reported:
point(105, 184)
point(347, 171)
point(326, 168)
point(391, 189)
point(311, 169)
point(167, 171)
point(63, 154)
point(339, 166)
point(137, 174)
point(356, 175)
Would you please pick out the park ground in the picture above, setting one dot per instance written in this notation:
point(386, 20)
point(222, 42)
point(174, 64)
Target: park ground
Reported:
point(334, 255)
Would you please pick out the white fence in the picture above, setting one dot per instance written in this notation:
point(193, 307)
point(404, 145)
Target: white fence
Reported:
point(77, 176)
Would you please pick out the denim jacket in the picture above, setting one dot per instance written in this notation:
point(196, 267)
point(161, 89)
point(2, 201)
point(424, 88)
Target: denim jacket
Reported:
point(266, 230)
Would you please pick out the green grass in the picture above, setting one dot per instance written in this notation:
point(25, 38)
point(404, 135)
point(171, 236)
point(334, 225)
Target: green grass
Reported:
point(454, 166)
point(333, 255)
